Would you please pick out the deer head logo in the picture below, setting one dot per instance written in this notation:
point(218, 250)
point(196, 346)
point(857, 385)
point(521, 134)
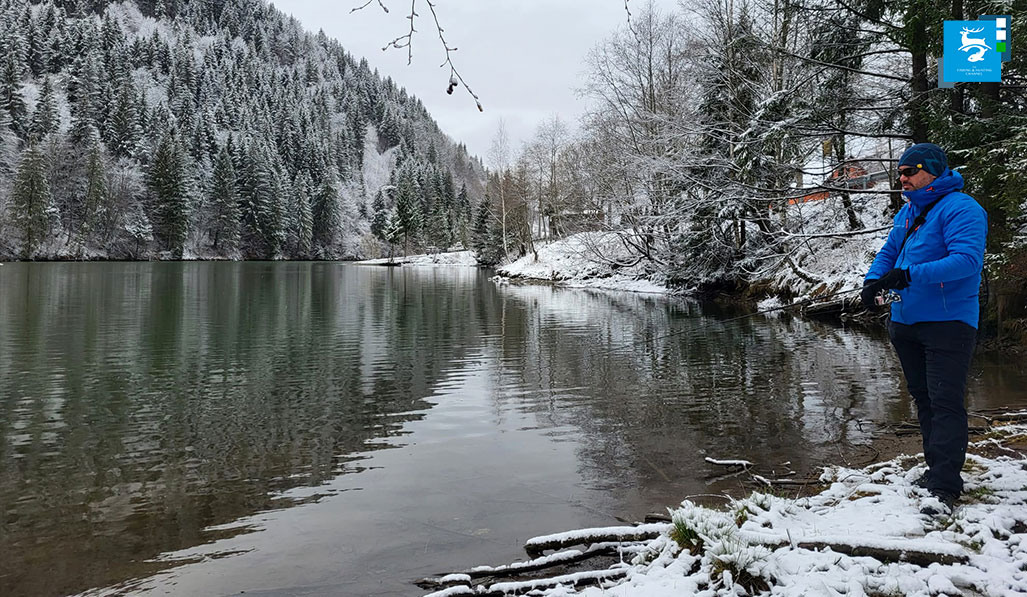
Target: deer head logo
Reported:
point(973, 44)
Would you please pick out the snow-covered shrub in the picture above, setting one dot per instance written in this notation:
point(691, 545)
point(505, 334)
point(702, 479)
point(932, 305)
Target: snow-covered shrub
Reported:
point(695, 527)
point(734, 562)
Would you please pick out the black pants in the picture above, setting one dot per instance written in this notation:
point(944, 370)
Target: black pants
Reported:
point(935, 359)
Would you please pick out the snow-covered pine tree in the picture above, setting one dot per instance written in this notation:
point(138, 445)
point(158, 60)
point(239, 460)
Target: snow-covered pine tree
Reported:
point(8, 151)
point(408, 208)
point(257, 191)
point(85, 95)
point(38, 49)
point(170, 194)
point(303, 224)
point(97, 196)
point(44, 118)
point(325, 208)
point(439, 232)
point(31, 201)
point(223, 203)
point(11, 99)
point(53, 32)
point(280, 217)
point(462, 216)
point(487, 245)
point(123, 130)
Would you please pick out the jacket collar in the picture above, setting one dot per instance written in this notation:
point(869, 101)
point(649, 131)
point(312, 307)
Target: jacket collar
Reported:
point(939, 187)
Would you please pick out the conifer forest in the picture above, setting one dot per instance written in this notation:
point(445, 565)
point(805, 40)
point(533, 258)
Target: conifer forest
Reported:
point(207, 130)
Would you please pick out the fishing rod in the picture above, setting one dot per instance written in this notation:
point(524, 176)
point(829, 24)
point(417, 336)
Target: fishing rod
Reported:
point(800, 303)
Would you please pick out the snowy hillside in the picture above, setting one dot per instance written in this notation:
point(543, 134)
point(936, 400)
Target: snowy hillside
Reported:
point(210, 130)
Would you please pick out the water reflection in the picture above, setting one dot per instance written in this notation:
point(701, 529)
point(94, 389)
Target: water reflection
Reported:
point(662, 386)
point(141, 405)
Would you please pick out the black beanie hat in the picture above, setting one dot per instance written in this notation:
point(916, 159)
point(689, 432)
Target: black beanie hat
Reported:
point(928, 156)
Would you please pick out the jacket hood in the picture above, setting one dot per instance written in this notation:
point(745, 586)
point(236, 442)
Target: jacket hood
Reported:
point(943, 185)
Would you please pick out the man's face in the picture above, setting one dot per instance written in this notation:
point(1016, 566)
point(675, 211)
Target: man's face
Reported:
point(919, 180)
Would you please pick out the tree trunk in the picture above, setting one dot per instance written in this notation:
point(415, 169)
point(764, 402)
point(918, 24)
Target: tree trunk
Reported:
point(957, 97)
point(990, 100)
point(854, 223)
point(917, 32)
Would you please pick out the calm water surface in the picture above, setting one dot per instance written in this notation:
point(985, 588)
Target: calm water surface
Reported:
point(328, 429)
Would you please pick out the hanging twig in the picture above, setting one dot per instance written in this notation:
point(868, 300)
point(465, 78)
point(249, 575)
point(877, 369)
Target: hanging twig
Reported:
point(406, 41)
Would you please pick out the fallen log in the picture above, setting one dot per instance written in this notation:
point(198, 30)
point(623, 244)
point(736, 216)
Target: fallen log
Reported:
point(577, 579)
point(644, 532)
point(913, 551)
point(719, 462)
point(833, 308)
point(920, 558)
point(562, 558)
point(787, 482)
point(728, 475)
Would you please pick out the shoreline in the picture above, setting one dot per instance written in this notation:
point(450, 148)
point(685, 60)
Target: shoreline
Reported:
point(860, 533)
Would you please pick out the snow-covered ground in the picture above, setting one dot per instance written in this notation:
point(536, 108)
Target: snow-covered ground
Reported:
point(462, 258)
point(827, 257)
point(587, 259)
point(863, 535)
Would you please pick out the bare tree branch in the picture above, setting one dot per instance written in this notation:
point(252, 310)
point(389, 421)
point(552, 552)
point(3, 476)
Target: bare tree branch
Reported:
point(840, 67)
point(406, 41)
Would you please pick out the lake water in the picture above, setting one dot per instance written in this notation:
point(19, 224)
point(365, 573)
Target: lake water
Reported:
point(334, 429)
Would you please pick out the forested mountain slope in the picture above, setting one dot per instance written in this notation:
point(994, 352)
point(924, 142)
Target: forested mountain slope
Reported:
point(210, 129)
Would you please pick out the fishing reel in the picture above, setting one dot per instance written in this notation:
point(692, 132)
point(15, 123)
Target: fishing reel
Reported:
point(887, 297)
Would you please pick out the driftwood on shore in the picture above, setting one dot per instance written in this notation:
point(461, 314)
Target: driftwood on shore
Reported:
point(903, 551)
point(628, 541)
point(599, 556)
point(833, 308)
point(623, 534)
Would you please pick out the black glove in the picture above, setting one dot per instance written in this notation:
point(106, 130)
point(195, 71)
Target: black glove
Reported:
point(868, 295)
point(896, 279)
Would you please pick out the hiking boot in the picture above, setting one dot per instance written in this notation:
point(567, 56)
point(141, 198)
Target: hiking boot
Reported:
point(940, 502)
point(921, 481)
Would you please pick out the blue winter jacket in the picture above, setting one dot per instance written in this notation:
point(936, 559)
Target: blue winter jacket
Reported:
point(944, 255)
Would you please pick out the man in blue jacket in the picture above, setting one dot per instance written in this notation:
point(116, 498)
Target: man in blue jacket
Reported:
point(932, 260)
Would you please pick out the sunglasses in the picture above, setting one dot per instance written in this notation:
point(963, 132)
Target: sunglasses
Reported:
point(908, 172)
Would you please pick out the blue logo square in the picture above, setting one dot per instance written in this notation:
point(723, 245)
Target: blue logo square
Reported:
point(971, 54)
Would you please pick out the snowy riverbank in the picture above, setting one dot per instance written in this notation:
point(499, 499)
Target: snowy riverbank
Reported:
point(461, 258)
point(862, 535)
point(828, 260)
point(585, 260)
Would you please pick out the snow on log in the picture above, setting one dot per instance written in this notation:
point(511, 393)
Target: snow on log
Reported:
point(643, 532)
point(788, 482)
point(741, 463)
point(561, 558)
point(454, 592)
point(886, 549)
point(577, 579)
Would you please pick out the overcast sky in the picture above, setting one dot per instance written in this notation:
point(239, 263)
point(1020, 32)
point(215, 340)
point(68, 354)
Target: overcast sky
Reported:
point(523, 58)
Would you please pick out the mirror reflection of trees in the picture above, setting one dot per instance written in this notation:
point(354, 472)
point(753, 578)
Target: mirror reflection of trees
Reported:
point(143, 403)
point(655, 384)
